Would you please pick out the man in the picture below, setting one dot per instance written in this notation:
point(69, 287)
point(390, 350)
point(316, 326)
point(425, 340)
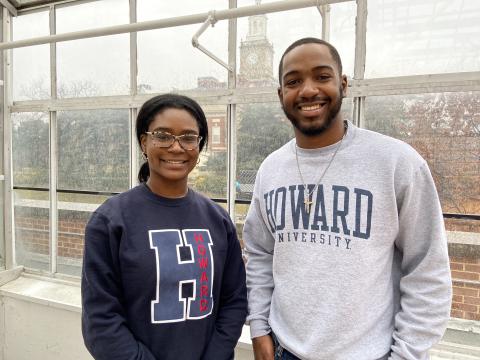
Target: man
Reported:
point(347, 253)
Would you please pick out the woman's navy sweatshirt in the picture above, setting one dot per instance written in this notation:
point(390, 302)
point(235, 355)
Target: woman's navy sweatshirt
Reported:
point(162, 279)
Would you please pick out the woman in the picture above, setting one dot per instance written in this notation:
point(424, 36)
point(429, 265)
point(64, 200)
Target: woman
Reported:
point(163, 276)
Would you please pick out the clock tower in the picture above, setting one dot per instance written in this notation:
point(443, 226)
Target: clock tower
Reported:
point(256, 55)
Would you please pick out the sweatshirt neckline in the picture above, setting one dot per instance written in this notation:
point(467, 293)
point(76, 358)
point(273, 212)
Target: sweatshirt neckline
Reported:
point(311, 153)
point(146, 192)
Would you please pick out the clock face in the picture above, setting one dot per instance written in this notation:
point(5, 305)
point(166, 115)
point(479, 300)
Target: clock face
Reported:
point(252, 59)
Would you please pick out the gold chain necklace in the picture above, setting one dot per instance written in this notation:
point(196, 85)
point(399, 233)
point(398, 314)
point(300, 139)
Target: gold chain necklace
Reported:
point(307, 194)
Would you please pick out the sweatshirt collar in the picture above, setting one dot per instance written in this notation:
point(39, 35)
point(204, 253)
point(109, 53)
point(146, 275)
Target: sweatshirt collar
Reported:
point(147, 193)
point(347, 141)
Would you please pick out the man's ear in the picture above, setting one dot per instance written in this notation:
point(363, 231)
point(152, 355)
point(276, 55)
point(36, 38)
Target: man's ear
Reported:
point(280, 94)
point(344, 85)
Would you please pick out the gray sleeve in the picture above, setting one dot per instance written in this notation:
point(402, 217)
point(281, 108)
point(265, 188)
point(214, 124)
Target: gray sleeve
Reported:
point(425, 280)
point(259, 245)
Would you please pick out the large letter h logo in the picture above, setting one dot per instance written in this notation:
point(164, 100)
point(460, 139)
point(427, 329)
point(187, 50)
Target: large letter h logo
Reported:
point(184, 275)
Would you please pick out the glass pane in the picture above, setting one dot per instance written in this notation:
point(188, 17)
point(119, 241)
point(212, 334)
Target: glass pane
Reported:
point(167, 61)
point(347, 108)
point(210, 175)
point(30, 153)
point(158, 48)
point(2, 239)
point(262, 39)
point(91, 14)
point(342, 33)
point(154, 9)
point(94, 67)
point(97, 66)
point(74, 211)
point(1, 145)
point(464, 260)
point(422, 37)
point(241, 211)
point(261, 129)
point(445, 129)
point(31, 221)
point(31, 79)
point(93, 148)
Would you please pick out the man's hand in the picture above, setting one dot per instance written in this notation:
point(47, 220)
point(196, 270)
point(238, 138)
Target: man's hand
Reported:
point(263, 347)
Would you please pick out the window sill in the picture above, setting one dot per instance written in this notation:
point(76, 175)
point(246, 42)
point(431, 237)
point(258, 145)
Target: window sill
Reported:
point(60, 294)
point(65, 295)
point(44, 291)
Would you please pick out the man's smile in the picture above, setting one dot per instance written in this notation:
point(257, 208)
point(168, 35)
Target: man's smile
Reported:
point(312, 108)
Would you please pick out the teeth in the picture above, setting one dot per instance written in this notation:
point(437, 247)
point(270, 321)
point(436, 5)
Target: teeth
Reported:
point(310, 107)
point(173, 162)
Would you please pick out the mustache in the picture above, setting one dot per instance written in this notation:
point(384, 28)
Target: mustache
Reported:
point(313, 99)
point(318, 98)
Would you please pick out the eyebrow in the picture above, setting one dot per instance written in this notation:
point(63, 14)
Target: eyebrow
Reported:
point(168, 130)
point(316, 68)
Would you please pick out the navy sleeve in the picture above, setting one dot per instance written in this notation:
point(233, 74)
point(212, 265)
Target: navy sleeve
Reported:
point(105, 331)
point(233, 304)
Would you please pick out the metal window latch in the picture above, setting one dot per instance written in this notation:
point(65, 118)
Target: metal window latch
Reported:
point(211, 20)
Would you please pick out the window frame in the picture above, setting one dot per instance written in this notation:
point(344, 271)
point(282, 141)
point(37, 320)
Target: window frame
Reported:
point(359, 89)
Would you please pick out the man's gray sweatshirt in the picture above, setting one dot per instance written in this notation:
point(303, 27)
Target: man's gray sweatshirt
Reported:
point(363, 275)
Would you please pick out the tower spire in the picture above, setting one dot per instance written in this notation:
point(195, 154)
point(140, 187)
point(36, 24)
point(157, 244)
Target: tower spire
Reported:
point(256, 54)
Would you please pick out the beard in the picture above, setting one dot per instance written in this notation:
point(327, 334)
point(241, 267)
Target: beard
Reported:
point(313, 131)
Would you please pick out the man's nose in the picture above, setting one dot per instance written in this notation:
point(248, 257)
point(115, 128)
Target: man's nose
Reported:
point(308, 89)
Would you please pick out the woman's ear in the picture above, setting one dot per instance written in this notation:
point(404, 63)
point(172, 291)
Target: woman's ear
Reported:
point(143, 143)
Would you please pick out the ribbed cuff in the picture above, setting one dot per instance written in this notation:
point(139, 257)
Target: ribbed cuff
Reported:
point(394, 356)
point(259, 328)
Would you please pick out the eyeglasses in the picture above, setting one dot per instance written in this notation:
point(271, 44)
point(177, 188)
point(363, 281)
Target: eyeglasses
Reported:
point(165, 140)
